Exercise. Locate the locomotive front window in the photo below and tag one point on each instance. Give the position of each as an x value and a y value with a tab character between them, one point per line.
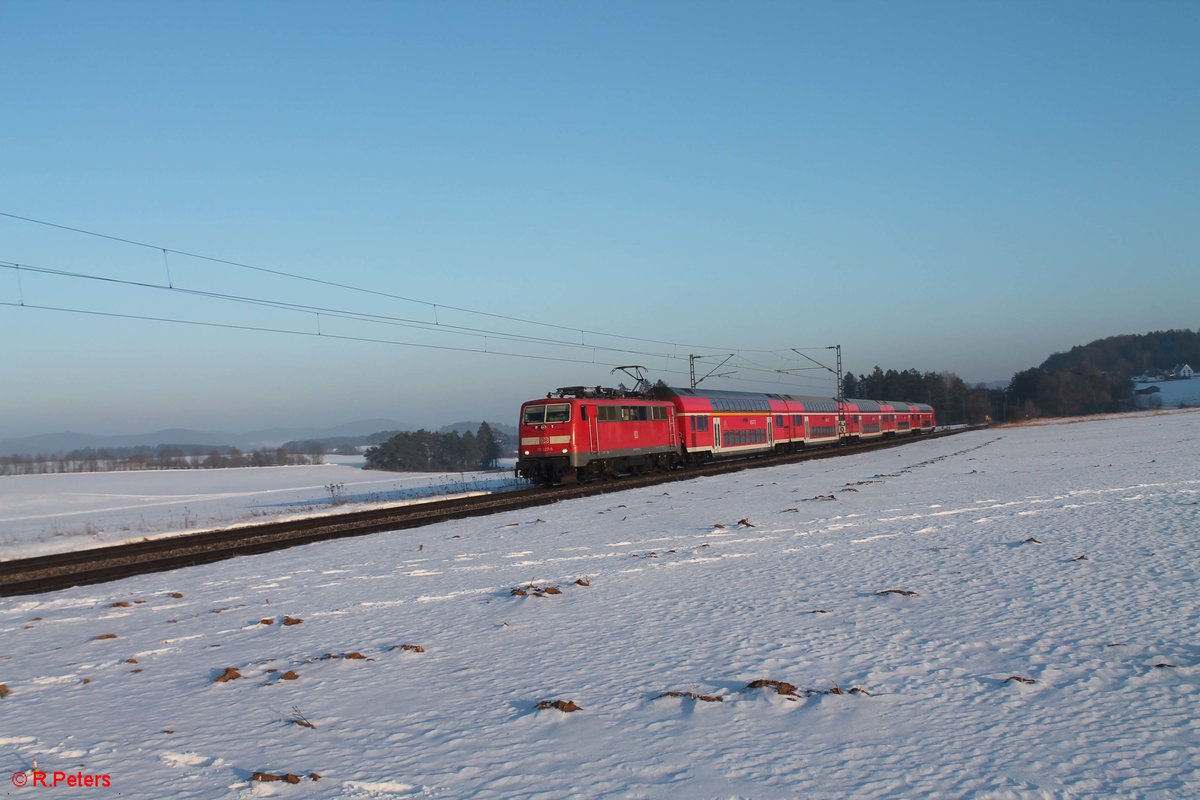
547	412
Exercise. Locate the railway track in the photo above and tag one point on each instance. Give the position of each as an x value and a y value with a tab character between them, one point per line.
97	565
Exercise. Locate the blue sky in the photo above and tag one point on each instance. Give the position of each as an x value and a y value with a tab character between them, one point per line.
947	186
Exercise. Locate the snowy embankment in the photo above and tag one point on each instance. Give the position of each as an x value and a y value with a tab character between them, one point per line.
1041	641
1170	394
42	514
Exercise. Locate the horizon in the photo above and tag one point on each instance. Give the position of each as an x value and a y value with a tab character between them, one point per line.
301	432
437	212
406	424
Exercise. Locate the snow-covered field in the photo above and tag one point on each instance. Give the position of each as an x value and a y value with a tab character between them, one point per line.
1043	641
42	514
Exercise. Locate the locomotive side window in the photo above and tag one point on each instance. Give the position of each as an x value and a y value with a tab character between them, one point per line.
701	423
735	438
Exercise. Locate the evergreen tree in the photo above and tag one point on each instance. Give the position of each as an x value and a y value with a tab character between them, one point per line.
491	448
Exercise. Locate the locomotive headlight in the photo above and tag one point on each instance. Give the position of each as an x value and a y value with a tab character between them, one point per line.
564	450
526	452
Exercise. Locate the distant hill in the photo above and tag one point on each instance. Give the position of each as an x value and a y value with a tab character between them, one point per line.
67	441
1095	377
462	427
1130	354
506	434
70	440
333	444
364	427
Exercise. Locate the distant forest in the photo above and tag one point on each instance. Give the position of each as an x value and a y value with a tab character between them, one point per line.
1088	379
1131	354
166	456
448	451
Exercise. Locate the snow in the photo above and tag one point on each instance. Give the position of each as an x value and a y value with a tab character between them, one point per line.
1171	394
41	514
1101	614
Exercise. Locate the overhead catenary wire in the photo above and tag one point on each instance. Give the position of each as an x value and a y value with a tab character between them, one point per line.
344	314
743	364
592	350
311	309
342	337
350	287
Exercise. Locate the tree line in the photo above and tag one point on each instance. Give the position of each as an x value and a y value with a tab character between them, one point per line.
952	399
425	451
1088	379
1066	393
1032	393
154	458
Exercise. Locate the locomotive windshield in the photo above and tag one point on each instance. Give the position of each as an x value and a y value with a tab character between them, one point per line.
549	412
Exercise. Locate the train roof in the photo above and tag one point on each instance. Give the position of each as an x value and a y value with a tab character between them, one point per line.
898	405
810	402
871	406
721	394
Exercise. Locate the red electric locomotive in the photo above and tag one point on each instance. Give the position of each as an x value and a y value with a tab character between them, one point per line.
579	434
